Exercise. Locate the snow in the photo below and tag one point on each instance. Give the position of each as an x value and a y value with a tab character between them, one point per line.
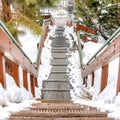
29	43
89	50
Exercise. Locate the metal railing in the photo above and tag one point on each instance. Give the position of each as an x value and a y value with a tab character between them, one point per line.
41	42
83	23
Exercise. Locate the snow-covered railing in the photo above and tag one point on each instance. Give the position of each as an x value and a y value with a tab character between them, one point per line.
101	59
12	57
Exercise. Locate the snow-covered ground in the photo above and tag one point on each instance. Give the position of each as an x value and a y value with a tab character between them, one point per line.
15	99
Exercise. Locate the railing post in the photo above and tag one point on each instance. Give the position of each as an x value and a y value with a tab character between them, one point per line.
25	80
32	85
118	82
15	73
93	75
104	77
36	82
2	71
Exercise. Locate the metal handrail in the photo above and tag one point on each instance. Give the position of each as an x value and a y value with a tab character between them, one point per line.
39	47
94	35
15	42
80	49
83	23
114	35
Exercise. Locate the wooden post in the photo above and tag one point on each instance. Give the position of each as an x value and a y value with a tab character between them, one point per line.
36	82
25	82
15	73
118	82
2	71
32	85
93	78
104	77
86	79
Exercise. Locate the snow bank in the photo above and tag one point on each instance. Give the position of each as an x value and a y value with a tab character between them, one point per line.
14	93
109	93
89	49
74	70
3	96
29	43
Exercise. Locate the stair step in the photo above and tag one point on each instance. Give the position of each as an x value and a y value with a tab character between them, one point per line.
82	113
56	94
58	72
60	29
59	110
59	68
59	64
59	55
58	76
59	118
60	45
60	48
59	51
56	84
57	80
58	38
59	60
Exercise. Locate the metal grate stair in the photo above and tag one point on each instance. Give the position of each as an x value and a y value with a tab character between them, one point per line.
59	110
57	87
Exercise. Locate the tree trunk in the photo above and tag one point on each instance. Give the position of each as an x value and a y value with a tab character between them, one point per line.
6	11
102	33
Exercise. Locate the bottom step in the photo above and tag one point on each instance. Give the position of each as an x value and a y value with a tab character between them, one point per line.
56	95
60	118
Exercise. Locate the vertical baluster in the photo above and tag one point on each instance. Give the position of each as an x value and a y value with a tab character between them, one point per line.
25	80
32	85
104	77
2	70
118	82
93	78
15	73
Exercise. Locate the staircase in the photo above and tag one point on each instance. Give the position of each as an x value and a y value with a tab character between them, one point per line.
57	86
55	103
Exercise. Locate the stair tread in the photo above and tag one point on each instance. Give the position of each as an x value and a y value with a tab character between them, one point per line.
47	89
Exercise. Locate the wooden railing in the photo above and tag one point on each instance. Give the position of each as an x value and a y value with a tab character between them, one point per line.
12	57
108	52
